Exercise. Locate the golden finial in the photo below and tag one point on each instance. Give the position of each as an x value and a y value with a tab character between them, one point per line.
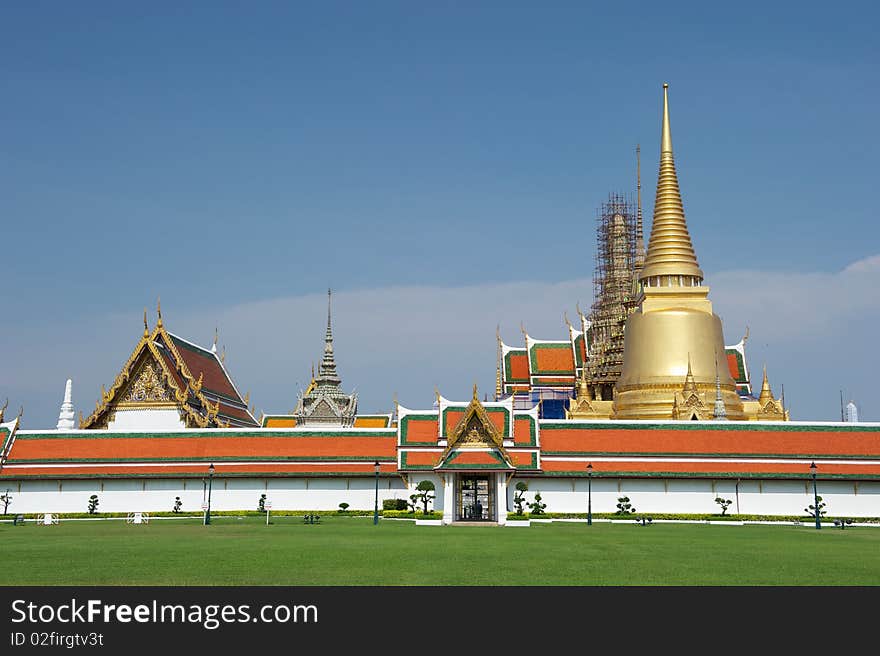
82	420
313	371
690	385
567	322
766	392
223	355
3	409
394	402
20	412
476	398
746	336
670	251
216	338
247	398
523	329
103	393
437	394
498	334
146	328
159	310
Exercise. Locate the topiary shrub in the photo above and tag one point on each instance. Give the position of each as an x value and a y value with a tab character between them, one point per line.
537	507
724	503
624	507
811	509
177	504
343	507
261	504
93	504
519	497
394	504
425	495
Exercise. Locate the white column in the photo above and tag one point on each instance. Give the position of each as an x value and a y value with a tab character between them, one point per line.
448	497
501	497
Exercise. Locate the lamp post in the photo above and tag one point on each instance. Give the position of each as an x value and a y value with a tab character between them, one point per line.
815	495
210	481
589	494
376	504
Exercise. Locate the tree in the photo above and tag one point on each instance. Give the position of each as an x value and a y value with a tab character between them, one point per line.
519	497
413	503
177	504
811	509
536	507
93	504
343	507
624	506
6	499
261	506
724	503
425	489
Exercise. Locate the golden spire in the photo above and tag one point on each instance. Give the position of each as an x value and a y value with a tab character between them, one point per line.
766	393
670	252
690	385
3	409
159	310
146	329
476	398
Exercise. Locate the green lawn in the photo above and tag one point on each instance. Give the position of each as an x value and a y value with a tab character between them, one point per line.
351	551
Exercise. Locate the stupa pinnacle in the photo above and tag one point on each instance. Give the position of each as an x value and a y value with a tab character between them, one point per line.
673	334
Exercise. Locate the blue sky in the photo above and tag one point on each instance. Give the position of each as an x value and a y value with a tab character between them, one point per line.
423	158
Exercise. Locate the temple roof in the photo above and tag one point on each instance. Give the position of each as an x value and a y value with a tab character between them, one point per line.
166	370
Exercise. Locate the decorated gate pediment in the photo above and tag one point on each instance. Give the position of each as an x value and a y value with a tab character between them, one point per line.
475	442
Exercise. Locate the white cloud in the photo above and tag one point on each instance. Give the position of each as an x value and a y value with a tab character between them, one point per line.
815	331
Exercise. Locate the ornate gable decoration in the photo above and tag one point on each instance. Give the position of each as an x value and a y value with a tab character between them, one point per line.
475	432
148	386
475	428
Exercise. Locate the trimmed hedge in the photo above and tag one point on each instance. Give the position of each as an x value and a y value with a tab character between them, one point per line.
804	519
408	514
394	504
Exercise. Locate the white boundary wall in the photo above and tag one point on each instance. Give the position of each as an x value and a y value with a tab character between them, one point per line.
768	497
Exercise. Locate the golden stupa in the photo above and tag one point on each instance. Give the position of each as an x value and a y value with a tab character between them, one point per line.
673	342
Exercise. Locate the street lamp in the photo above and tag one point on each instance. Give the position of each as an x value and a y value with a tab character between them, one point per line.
210	481
376	505
590	494
815	495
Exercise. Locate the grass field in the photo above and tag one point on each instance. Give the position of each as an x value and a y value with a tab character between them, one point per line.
351	551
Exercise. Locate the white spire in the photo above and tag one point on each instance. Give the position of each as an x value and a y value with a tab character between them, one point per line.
852	411
65	417
720	411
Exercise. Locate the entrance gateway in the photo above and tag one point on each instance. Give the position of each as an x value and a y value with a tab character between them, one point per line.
475	498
